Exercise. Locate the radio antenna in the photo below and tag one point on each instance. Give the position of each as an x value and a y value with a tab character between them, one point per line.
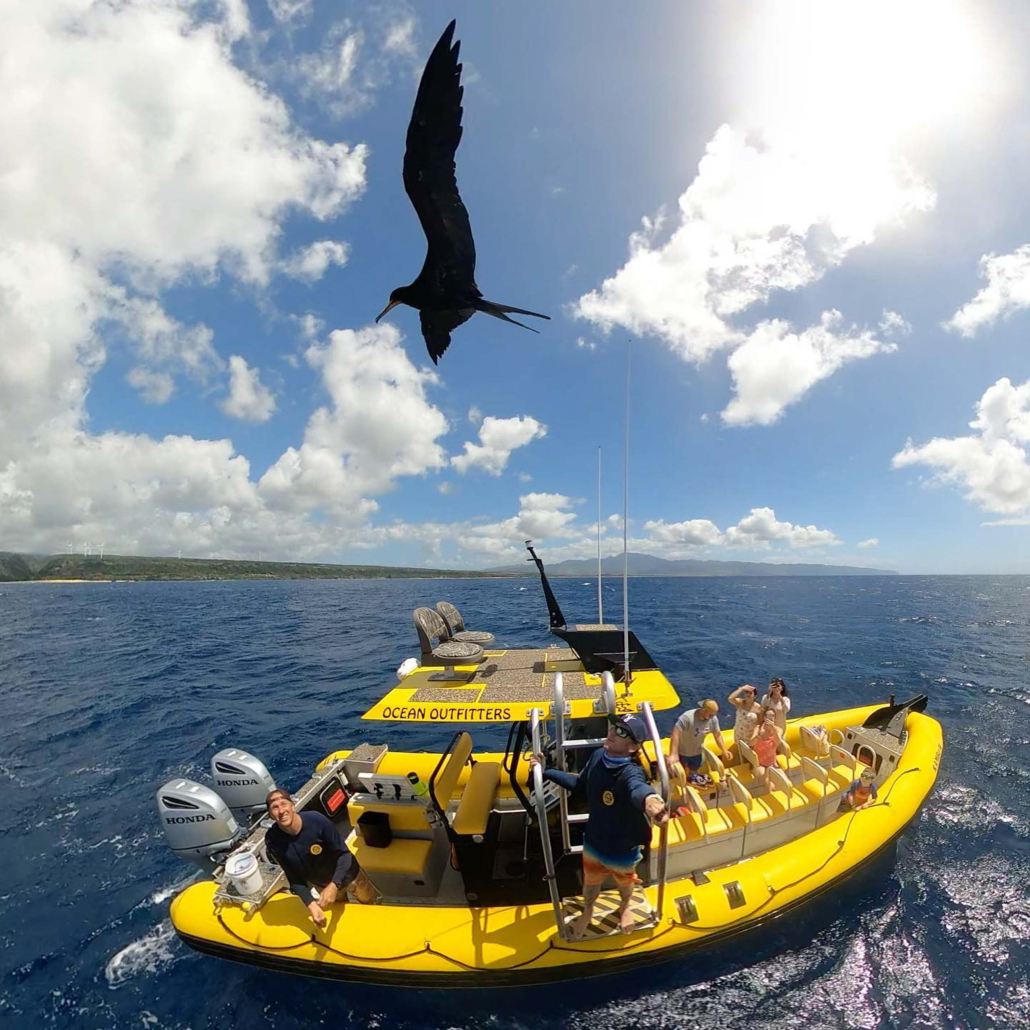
600	602
625	538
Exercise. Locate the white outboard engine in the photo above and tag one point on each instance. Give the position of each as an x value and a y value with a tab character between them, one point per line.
243	782
197	822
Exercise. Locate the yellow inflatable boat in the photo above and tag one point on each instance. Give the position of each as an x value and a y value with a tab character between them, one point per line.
480	878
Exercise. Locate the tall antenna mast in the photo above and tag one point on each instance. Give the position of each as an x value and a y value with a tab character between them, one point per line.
625	540
600	603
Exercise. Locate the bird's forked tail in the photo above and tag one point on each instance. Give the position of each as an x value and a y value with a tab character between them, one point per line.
488	307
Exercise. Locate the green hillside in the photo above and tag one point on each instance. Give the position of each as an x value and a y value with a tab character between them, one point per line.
15	567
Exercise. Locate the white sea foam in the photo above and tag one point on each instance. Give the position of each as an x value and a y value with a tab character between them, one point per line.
155	950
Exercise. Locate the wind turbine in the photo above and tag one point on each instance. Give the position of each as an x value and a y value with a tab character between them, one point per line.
102	551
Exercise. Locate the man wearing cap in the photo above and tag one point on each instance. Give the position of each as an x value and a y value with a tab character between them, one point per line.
688	735
620	805
308	848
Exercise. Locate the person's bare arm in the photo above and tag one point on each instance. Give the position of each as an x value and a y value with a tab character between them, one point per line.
737	697
721	744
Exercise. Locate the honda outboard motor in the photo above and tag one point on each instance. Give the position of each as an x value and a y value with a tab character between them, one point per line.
197	822
243	782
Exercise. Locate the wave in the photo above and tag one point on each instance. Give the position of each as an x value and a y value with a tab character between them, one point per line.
155	950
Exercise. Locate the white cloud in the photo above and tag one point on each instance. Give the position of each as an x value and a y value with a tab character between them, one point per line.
153	387
475	416
892	323
248	398
584	344
286	11
498	437
445	488
871	542
311	263
760	528
379	426
990	464
1007	290
764	213
691	533
400	37
776	367
523	477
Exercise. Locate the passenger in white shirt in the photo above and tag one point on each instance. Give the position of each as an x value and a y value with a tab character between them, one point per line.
778	700
745	700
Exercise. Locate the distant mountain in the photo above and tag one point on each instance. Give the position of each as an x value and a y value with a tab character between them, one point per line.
649	565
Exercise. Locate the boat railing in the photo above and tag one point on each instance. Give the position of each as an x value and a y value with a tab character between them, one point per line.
541	814
558	714
606	702
663	773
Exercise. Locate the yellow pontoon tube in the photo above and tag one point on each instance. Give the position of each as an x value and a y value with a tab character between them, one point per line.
732	858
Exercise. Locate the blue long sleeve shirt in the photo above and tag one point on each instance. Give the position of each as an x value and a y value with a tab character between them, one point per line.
316	856
616	822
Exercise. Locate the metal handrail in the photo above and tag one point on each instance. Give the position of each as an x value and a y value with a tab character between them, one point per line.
608	692
663	772
541	812
559	740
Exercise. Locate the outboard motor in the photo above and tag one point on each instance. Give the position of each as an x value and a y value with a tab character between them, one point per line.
243	782
197	822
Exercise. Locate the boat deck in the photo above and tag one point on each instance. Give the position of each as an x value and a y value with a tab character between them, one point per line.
506	684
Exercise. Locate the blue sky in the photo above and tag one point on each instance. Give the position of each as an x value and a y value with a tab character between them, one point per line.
807	224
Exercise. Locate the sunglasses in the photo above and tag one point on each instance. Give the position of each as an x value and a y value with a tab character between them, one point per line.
621	731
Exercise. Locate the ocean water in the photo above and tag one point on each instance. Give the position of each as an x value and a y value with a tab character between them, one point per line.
110	689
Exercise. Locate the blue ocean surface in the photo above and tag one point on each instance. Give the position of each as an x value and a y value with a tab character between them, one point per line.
110	689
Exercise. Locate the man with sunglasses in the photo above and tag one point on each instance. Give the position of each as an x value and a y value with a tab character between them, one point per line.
620	807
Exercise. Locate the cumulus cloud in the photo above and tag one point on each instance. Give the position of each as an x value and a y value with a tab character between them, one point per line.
691	533
760	528
764	213
153	387
871	542
498	437
1007	290
990	464
248	398
776	367
378	425
311	263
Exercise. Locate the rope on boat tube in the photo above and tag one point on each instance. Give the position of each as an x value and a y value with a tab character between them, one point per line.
773	891
428	949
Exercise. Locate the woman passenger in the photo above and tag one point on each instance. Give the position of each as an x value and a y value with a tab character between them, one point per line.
777	698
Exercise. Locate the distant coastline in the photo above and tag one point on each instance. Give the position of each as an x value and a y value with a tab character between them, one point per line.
77	568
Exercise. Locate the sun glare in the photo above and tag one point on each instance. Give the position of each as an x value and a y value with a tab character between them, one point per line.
875	69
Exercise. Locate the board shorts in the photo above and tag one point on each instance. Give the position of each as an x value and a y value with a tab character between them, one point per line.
621	868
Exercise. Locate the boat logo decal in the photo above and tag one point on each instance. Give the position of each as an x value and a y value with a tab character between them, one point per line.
316	849
177	819
608	797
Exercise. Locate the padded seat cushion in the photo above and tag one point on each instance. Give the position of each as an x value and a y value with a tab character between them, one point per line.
403	818
686	829
451	649
814	790
477	799
402	857
474	636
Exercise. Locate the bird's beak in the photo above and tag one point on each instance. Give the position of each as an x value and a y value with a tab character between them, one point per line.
392	304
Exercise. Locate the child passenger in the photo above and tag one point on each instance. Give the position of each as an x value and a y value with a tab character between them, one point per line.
767	738
861	794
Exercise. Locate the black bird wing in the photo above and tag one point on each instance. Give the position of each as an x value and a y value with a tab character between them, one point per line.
433	137
437	326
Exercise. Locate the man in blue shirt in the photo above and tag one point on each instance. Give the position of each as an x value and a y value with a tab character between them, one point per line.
620	805
308	848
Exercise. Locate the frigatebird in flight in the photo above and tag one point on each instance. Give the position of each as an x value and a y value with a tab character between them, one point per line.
445	291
